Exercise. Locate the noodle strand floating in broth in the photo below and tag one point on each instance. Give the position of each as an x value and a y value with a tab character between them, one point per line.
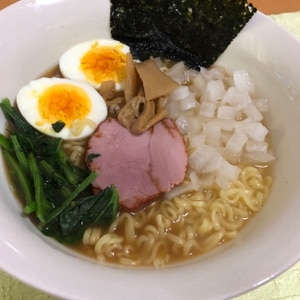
201	213
224	185
186	226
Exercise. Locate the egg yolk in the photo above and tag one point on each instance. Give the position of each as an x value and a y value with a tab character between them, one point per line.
102	63
63	102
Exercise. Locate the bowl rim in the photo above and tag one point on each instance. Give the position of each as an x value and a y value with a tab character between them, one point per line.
174	282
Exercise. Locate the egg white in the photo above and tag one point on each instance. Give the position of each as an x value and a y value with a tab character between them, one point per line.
69	62
27	102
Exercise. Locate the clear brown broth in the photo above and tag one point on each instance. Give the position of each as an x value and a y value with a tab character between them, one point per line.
88	251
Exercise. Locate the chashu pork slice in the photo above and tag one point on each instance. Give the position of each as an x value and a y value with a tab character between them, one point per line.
141	166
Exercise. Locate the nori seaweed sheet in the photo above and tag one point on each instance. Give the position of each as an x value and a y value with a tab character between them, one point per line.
196	31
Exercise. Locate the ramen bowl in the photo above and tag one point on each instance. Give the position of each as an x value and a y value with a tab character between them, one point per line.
33	35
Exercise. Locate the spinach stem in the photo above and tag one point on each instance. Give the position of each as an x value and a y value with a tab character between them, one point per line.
19	153
67	168
51	173
55	190
23	180
5	142
38	187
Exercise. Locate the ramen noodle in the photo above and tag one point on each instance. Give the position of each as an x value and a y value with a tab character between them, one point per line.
206	210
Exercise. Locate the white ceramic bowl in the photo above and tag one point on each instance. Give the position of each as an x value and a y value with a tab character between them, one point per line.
33	34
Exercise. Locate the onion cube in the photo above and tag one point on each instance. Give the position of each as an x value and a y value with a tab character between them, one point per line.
173	109
180	93
199	84
207	109
213	134
256	131
196	140
243	81
215	90
258	157
236	98
207	180
227	174
256	146
252	112
224	124
176	72
226	112
205	159
230	170
183	125
188	102
195	180
236	142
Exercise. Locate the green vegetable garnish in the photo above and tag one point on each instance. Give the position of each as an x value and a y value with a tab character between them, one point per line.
92	156
193	31
58	193
58	126
71	223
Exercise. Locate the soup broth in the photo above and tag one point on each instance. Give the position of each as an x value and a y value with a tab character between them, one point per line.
181	224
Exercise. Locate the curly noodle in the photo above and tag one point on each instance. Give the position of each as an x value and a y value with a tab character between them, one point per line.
173	229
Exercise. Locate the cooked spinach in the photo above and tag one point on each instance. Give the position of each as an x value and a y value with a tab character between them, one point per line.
92	156
194	31
71	223
58	126
30	138
56	192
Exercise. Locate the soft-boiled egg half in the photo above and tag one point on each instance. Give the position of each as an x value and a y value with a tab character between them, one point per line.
96	61
61	107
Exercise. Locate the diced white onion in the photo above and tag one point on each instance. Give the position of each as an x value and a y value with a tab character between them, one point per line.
196	140
258	157
208	179
188	102
252	112
205	159
226	112
222	181
176	72
222	123
256	131
227	174
256	146
236	142
196	122
180	93
207	109
243	81
235	97
195	180
215	90
231	171
183	124
225	136
173	108
199	84
217	72
213	134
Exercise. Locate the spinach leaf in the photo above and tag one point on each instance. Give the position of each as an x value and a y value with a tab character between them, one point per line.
56	191
69	226
58	126
30	139
92	156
